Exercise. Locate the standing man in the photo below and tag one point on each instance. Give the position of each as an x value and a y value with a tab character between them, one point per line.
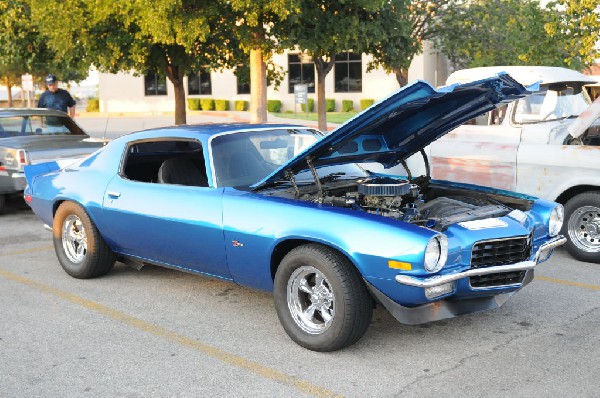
56	98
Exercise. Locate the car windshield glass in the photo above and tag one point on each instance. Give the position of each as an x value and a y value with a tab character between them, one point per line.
245	158
15	126
553	102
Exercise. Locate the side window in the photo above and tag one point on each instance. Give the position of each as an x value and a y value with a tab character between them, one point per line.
492	118
165	161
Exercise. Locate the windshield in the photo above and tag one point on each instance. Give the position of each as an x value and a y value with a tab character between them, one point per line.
245	158
556	101
16	126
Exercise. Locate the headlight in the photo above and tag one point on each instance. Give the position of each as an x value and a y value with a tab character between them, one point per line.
556	220
436	253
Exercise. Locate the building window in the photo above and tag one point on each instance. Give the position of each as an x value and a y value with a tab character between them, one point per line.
155	84
242	73
199	84
301	70
348	73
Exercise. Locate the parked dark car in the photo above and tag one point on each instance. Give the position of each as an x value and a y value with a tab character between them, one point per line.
288	210
30	136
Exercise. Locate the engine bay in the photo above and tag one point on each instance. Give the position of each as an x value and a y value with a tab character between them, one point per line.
417	201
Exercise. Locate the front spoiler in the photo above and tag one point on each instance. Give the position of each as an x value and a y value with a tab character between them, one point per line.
448	308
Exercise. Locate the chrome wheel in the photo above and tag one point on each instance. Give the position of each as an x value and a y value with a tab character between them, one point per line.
310	300
74	239
584	228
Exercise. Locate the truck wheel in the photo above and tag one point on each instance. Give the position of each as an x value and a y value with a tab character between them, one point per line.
321	299
582	226
2	203
80	249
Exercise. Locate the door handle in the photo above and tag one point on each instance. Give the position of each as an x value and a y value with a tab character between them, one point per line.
113	194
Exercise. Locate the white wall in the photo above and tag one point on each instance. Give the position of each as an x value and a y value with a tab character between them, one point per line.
124	92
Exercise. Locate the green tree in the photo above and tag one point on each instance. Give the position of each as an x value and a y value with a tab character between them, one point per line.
576	25
26	50
406	24
324	29
168	37
255	27
499	32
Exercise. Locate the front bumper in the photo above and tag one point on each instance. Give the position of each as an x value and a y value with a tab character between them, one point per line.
449	308
432	281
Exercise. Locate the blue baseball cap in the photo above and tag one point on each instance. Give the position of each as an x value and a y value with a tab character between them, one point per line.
51	79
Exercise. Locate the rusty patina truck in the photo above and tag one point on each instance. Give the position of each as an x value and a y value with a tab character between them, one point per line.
545	145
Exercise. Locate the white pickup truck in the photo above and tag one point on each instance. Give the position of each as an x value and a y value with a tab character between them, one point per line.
545	145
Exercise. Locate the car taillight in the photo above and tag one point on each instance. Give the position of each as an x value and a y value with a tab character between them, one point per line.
22	157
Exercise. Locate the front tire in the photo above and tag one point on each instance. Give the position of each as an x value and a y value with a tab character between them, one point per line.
80	249
582	226
321	299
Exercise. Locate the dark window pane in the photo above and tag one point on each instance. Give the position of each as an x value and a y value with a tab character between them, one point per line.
193	85
200	83
301	70
155	84
242	72
348	73
354	76
294	76
308	76
205	83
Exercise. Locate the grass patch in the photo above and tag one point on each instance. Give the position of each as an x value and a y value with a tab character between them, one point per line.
332	117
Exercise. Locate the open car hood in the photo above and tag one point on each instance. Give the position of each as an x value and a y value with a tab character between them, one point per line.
395	128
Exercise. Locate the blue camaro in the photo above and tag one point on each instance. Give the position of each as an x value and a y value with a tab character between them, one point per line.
286	209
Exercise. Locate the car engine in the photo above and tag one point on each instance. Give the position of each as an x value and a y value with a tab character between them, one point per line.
417	201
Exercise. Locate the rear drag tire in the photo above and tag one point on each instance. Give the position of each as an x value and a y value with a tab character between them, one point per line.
80	249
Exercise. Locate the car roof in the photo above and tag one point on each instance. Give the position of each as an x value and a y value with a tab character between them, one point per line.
206	130
11	112
525	75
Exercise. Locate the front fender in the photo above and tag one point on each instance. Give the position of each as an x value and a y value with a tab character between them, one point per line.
254	225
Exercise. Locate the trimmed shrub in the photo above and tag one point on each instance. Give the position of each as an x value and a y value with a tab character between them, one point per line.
221	105
311	105
274	106
93	105
347	105
329	105
207	104
240	105
193	104
365	103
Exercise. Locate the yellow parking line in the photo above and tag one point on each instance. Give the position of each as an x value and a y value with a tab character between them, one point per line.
26	251
224	356
568	283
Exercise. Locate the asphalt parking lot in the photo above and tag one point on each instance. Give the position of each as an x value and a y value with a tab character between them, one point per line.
159	332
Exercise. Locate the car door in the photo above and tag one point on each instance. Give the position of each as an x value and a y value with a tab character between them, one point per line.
176	225
482	153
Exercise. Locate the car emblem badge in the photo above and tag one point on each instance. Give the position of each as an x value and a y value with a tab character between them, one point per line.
237	243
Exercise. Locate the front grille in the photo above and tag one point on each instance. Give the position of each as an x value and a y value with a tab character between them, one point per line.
501	251
499	279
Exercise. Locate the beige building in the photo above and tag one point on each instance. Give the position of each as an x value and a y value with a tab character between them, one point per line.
348	80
